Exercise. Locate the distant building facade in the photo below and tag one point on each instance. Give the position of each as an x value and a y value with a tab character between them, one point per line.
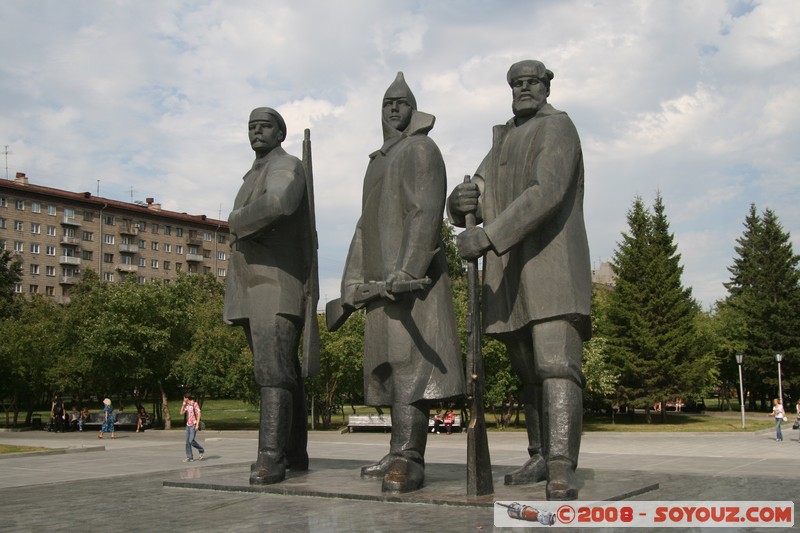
59	234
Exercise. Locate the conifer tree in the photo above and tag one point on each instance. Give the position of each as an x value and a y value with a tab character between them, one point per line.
764	295
651	318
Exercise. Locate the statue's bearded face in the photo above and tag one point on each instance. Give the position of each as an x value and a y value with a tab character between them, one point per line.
397	112
530	94
265	135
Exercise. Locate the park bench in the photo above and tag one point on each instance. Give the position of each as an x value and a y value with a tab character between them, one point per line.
384	422
121	421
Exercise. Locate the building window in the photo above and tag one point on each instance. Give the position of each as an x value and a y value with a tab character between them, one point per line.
154	263
51	210
88	216
2	223
127	260
50	270
2	245
154	228
19	246
154	246
193	250
69	212
140	279
179	249
108	276
207	253
50	290
221	256
86	254
207	236
179	232
167	247
18	225
20	205
108	239
167	265
35	248
142	243
221	272
108	258
88	236
142	262
178	267
18	288
36	207
33	289
69	232
109	220
51	231
221	238
50	250
35	270
36	228
3	201
167	230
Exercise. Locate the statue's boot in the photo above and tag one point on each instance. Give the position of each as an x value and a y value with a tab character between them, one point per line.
563	411
276	419
378	470
406	472
535	469
297	447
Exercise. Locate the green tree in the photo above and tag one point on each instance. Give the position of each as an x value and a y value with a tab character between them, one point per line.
10	273
341	376
764	301
651	318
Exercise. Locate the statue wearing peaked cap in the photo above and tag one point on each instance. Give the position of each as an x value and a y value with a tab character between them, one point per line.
411	347
264	294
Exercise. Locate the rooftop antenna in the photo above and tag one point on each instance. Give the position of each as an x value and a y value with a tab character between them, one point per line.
98	188
6	152
131	190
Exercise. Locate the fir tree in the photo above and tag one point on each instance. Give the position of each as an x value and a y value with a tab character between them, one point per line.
10	273
764	295
651	318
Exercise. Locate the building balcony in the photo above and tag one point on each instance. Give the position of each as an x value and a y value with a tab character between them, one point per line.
70	221
125	267
69	280
194	241
129	229
69	260
129	248
70	241
197	258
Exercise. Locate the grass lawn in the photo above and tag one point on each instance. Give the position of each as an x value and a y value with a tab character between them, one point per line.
9	448
220	415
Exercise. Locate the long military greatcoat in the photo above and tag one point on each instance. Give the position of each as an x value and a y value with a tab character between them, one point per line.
532	208
411	346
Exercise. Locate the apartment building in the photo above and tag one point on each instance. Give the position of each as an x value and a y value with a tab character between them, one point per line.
59	234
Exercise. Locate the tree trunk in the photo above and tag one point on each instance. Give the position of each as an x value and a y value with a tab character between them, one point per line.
165	407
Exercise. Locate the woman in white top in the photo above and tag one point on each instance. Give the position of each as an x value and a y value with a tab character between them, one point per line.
779	414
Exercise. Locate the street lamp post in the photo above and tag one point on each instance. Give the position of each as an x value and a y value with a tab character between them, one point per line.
779	358
739	360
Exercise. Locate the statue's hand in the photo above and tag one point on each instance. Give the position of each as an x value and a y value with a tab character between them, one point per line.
464	199
391	279
472	243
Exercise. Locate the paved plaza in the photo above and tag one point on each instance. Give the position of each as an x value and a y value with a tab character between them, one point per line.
119	485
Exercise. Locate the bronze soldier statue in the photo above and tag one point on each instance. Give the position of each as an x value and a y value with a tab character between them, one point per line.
270	265
528	191
396	269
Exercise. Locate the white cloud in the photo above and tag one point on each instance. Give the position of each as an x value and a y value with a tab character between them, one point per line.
697	100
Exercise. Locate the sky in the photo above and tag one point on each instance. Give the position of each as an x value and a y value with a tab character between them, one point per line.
697	101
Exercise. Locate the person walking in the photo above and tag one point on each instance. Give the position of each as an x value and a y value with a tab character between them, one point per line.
780	416
192	411
797	418
57	414
108	420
